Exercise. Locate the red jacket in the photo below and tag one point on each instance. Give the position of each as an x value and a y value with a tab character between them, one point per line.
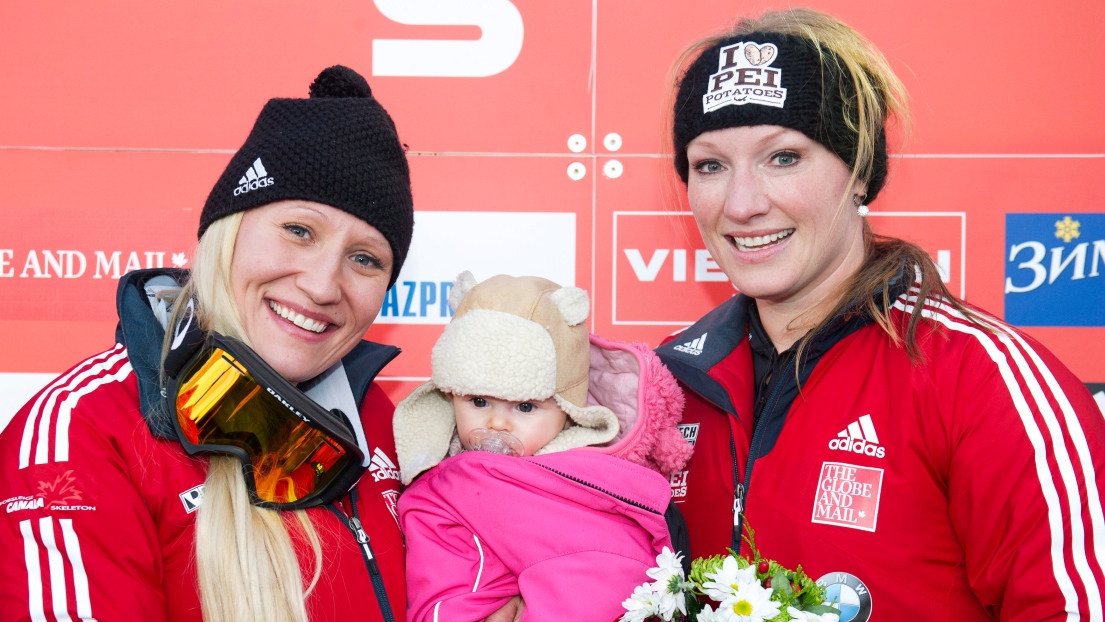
964	487
99	512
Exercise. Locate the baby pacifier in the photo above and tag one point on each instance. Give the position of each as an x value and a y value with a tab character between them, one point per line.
496	442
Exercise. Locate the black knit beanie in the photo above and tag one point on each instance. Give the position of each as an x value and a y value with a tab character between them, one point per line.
765	78
339	148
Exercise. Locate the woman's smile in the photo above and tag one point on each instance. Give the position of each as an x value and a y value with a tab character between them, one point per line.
309	280
749	243
299	319
772	206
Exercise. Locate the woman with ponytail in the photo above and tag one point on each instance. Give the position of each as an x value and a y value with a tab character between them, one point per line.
231	458
923	458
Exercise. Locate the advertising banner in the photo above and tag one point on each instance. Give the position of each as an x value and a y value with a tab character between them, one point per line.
538	140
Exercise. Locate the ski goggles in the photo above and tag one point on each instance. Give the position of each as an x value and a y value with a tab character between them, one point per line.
226	399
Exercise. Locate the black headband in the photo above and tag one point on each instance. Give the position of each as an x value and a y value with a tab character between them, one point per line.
766	78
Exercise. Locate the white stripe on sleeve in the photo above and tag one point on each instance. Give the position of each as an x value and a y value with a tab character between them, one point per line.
65	410
36	409
34	572
57	569
80	577
42	448
1043	472
1059	446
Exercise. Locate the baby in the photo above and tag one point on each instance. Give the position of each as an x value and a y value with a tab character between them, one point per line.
548	454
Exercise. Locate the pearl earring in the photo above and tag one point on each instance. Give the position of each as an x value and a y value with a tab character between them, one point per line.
861	209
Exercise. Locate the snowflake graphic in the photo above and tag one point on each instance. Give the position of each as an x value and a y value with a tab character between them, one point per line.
1067	229
862	514
179	260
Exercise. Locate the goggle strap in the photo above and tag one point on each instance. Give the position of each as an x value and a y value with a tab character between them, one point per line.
187	339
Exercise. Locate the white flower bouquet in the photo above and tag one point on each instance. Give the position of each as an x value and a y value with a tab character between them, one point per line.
743	590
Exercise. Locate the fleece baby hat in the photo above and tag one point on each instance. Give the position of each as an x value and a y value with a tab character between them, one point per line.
512	338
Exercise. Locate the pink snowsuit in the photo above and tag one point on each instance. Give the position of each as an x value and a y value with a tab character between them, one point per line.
572	532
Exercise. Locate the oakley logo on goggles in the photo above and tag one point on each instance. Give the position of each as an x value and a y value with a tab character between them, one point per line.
295	453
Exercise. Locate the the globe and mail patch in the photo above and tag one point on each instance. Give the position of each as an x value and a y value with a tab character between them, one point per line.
848	496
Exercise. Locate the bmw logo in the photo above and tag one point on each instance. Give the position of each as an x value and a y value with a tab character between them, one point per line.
848	594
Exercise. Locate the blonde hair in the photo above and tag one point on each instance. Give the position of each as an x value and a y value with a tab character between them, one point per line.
248	568
873	97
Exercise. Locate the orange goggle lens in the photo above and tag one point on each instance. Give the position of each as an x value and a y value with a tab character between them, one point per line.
220	405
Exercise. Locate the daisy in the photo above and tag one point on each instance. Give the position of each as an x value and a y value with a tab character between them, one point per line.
805	616
750	602
709	615
668	565
641	605
724	582
668	576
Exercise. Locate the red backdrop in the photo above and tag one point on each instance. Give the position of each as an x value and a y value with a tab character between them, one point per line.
119	116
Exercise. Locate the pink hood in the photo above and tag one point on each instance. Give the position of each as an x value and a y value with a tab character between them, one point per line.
630	380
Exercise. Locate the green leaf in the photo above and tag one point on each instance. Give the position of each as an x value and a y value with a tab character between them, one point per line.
749	537
780	586
694	606
819	609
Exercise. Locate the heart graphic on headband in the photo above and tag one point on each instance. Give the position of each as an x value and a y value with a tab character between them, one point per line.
761	55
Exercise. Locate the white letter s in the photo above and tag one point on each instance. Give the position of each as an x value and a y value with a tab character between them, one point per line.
495	51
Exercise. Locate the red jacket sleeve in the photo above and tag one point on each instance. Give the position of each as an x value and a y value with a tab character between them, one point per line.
1025	479
81	539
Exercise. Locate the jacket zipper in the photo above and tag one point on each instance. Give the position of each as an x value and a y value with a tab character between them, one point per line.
636	504
354	525
741	489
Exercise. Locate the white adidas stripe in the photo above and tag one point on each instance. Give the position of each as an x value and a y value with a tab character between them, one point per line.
49	394
80	577
72	392
862	428
954	320
57	569
34	572
57	562
381	461
254	172
868	428
1062	457
65	411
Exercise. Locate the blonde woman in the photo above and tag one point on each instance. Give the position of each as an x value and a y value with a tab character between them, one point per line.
923	459
233	482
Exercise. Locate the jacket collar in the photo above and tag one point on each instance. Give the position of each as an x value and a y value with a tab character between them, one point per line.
141	330
704	345
699	350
